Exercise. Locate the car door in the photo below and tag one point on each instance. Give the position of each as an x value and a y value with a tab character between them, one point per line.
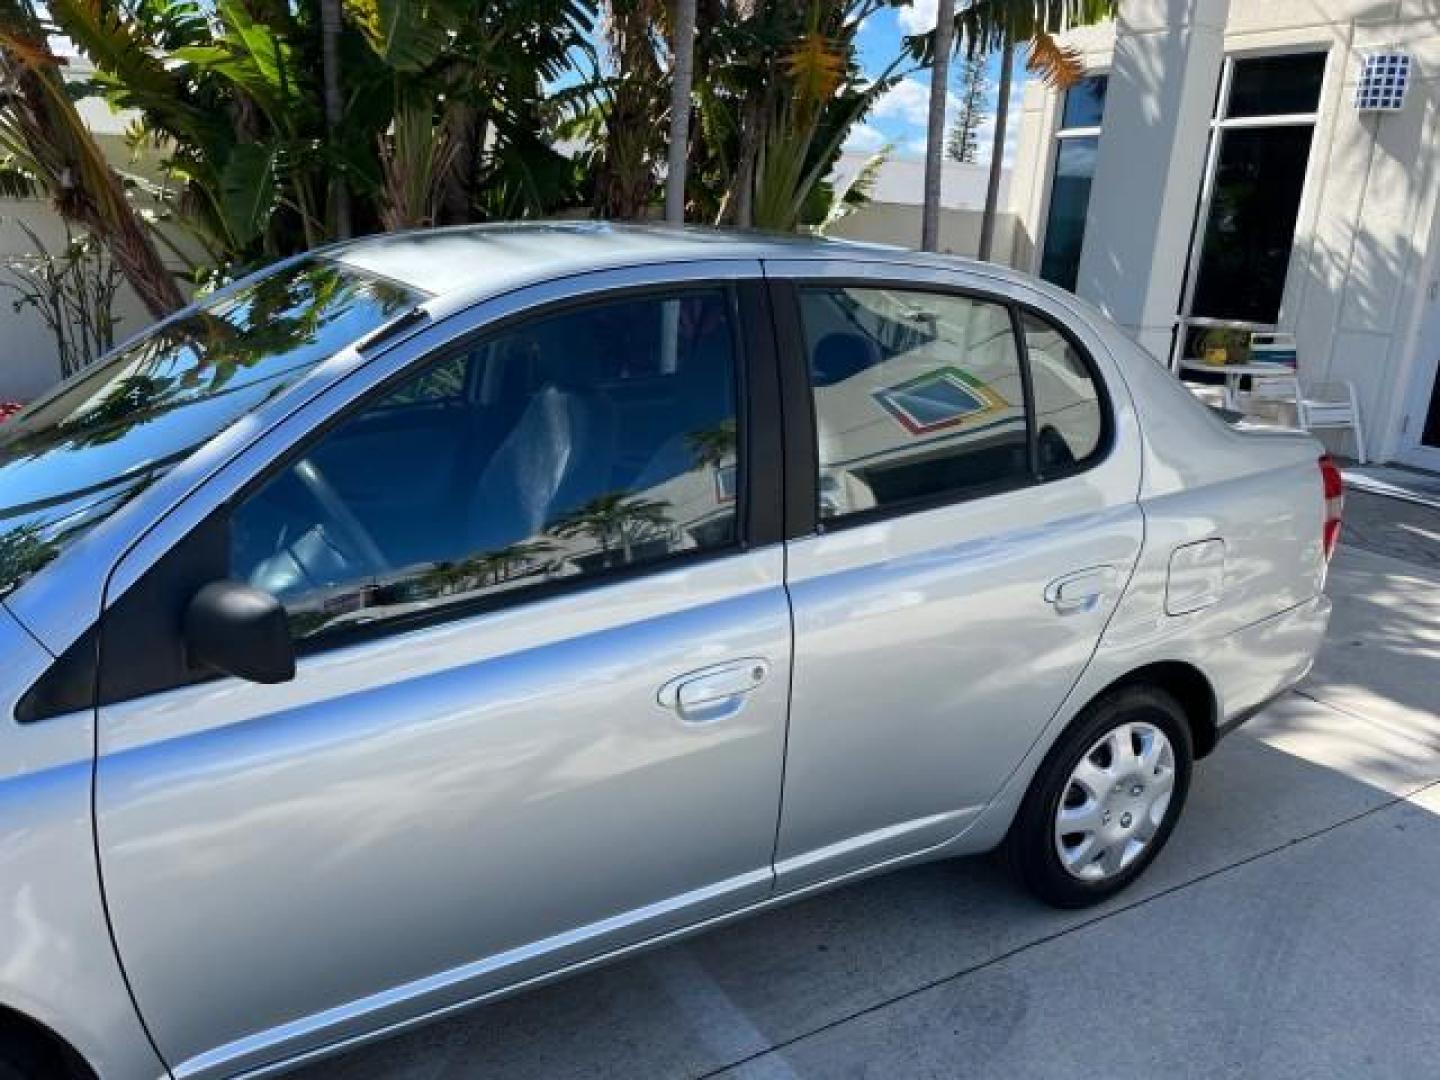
537	720
964	521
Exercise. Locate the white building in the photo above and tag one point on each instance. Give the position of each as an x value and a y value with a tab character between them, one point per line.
1223	168
892	214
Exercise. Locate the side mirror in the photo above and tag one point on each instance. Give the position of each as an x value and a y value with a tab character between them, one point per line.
241	631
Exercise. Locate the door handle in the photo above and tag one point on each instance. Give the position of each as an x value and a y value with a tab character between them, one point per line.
1081	591
713	693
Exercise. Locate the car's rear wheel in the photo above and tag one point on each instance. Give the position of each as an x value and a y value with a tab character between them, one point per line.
1105	800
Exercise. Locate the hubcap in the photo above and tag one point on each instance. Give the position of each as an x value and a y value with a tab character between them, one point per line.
1115	801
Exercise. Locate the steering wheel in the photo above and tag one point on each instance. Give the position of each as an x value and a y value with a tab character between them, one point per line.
353	536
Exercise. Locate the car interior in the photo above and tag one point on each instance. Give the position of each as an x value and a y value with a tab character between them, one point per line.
488	447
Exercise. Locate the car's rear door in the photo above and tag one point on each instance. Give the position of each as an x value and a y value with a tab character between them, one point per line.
552	726
963	519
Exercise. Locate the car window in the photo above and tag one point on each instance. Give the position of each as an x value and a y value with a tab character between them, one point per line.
600	437
1068	417
917	395
76	457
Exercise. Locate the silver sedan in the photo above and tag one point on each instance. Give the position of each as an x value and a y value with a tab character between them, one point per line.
440	613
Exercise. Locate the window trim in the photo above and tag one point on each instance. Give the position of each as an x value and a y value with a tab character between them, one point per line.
803	519
754	504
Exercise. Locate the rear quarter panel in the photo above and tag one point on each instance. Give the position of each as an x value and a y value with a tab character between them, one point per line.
1258	491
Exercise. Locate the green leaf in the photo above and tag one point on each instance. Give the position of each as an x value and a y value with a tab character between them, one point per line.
408	36
249	186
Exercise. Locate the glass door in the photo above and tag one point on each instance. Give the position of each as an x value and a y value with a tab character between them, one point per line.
1250	202
1420	438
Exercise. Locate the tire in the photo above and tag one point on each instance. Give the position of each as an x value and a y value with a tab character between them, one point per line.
26	1055
23	1061
1120	806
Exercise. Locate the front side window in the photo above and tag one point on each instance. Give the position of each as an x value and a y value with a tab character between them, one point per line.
1077	148
576	443
75	458
918	396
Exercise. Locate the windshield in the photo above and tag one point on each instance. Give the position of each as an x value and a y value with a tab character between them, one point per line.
77	457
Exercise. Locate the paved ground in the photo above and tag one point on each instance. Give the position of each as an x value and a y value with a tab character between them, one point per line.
1291	929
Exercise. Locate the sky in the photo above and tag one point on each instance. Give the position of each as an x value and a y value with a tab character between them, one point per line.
899	118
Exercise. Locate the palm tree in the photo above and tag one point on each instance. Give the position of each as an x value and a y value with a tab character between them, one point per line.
712	446
334	111
935	131
682	74
997	153
626	174
614	519
987	26
40	127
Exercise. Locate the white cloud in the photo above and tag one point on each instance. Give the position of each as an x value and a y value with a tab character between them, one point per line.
919	18
908	102
864	139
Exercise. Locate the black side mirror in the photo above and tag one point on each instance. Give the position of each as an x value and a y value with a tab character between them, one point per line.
241	631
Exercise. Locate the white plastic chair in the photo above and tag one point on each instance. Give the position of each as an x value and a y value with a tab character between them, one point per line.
1332	405
1317	406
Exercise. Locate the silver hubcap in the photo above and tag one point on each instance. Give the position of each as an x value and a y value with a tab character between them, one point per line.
1115	801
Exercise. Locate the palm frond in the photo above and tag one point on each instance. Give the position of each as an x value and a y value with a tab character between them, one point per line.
1058	65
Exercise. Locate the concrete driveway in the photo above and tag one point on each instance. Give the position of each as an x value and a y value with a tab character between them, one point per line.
1291	928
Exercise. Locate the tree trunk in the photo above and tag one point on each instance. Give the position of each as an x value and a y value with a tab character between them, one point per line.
935	133
129	244
682	73
462	122
997	152
334	112
752	134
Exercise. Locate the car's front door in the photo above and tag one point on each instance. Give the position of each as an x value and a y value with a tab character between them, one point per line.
539	716
973	525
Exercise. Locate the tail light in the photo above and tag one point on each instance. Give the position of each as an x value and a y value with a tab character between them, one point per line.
1334	488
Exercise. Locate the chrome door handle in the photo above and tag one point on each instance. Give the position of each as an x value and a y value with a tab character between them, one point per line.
1082	590
713	693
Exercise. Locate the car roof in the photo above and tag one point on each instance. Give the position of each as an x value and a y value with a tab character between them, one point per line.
480	258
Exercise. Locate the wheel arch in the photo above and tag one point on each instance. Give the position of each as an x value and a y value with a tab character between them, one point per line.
52	1051
1188	685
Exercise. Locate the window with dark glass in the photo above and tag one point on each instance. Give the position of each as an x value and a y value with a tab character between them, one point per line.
1076	150
574	444
1085	103
1245	254
1069	422
1263	132
917	396
1276	85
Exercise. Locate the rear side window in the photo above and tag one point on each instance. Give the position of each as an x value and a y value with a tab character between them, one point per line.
918	396
1069	421
570	445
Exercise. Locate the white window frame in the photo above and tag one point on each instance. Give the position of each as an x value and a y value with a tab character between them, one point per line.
1220	122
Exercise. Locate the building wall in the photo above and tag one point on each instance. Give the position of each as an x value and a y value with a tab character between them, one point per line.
899	224
1364	265
29	360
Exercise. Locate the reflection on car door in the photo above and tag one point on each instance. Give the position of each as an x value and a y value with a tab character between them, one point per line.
931	645
491	762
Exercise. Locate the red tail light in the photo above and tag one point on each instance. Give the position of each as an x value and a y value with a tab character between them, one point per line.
1334	488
